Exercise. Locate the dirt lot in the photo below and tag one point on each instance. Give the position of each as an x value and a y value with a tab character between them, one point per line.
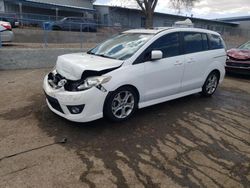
189	142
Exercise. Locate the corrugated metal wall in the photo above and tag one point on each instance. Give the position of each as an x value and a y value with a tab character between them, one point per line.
77	3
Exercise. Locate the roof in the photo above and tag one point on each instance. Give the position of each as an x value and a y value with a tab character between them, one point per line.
160	29
148	31
235	19
42	4
170	15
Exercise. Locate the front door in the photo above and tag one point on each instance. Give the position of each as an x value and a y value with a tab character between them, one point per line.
163	77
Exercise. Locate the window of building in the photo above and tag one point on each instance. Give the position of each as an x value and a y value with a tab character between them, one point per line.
105	19
143	22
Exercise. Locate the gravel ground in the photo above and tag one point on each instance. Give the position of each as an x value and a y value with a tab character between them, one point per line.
188	142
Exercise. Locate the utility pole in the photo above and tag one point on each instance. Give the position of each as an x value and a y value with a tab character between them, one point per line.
21	14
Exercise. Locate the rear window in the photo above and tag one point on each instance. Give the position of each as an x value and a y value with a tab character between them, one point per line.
193	42
215	42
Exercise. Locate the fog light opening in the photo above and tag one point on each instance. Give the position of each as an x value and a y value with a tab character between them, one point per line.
75	109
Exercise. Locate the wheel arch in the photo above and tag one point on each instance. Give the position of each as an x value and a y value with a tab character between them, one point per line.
217	72
131	86
106	111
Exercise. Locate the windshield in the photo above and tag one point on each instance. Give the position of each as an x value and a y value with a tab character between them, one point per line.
122	46
64	19
245	46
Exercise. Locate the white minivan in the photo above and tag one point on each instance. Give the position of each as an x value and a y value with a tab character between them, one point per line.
135	69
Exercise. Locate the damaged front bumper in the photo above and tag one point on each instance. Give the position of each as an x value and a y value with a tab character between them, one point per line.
90	102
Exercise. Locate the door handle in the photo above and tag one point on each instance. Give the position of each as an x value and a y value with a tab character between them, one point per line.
178	63
191	60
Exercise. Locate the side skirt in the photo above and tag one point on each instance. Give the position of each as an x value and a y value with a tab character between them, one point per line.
168	98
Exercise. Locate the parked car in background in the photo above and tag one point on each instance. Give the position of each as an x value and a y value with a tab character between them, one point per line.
74	24
135	69
238	59
6	32
11	18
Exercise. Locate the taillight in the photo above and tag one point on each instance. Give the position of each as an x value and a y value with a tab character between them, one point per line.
6	25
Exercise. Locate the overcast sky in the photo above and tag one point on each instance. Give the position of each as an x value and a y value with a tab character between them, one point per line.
209	9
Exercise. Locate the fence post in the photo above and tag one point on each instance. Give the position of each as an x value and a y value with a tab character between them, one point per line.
45	38
81	35
46	28
0	40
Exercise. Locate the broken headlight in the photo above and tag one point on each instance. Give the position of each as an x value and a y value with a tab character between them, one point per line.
55	80
96	81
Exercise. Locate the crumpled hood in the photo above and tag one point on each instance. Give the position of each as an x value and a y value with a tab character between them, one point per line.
239	54
71	66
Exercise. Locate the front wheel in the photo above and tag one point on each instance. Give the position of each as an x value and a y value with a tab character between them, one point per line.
120	104
210	84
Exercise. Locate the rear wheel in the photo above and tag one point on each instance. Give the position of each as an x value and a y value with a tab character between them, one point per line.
210	84
120	104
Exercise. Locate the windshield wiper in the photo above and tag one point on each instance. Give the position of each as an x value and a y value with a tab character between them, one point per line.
89	52
102	55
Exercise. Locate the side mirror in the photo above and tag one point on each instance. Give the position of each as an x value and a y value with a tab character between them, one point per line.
156	54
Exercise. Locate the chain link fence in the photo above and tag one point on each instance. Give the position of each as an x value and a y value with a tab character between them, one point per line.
36	31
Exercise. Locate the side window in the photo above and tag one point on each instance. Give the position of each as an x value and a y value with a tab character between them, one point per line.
168	44
77	20
205	42
68	20
215	42
193	42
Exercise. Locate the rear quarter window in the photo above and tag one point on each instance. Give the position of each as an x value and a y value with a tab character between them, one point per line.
215	42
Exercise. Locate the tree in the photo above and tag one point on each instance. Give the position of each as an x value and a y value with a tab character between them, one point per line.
148	8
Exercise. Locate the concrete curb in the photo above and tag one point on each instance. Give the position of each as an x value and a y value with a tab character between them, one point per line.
24	58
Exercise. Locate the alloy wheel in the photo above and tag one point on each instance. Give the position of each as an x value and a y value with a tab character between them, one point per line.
123	104
211	85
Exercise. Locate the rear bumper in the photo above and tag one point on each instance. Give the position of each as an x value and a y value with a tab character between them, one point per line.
7	36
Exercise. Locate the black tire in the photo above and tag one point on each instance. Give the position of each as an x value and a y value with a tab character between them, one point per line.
56	28
93	30
111	103
210	84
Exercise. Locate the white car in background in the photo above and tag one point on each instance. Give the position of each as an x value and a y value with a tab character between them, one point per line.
6	33
135	69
